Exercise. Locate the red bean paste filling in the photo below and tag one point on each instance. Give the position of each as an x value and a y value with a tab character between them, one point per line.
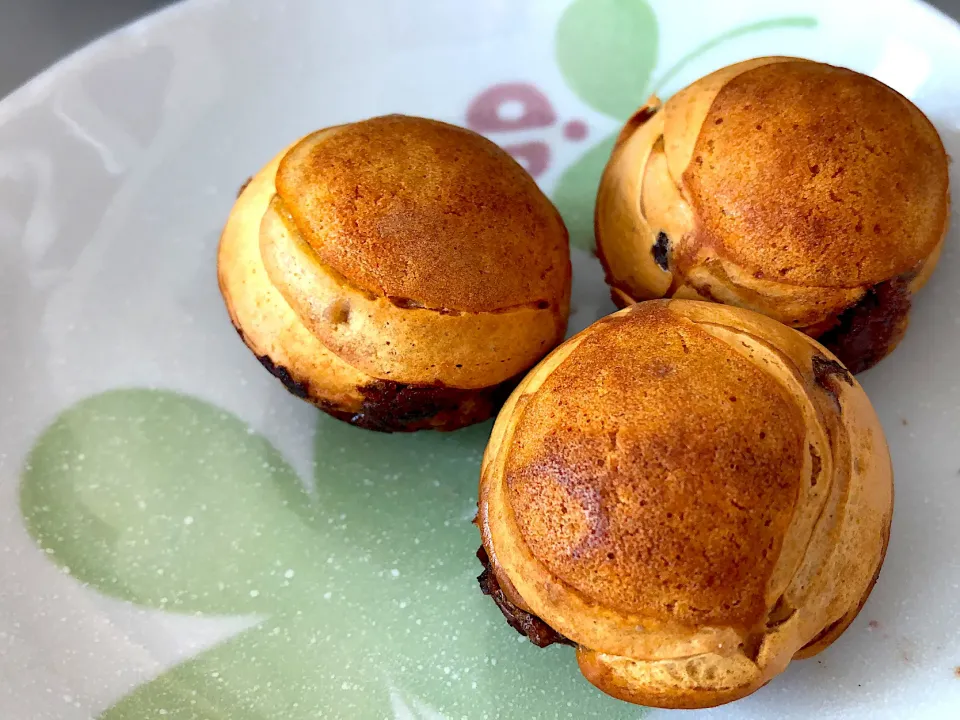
867	331
536	630
824	372
389	406
300	389
397	407
660	251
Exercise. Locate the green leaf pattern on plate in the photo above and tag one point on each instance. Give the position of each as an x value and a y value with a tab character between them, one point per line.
606	50
364	576
131	490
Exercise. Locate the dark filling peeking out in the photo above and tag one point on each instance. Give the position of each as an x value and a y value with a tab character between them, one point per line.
389	406
399	407
536	630
868	331
827	372
660	251
300	389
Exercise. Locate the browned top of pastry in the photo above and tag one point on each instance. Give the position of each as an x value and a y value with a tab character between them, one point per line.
426	213
656	471
810	174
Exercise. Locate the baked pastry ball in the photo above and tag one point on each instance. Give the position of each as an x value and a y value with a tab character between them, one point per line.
399	273
692	495
810	193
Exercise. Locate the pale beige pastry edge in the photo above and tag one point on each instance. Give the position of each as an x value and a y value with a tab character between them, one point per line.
265	320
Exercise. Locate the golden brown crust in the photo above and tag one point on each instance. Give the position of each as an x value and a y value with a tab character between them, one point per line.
780	185
364	357
590	457
844	198
610	513
400	343
426	212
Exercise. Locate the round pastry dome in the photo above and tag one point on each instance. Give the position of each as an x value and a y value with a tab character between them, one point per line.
400	273
692	494
785	186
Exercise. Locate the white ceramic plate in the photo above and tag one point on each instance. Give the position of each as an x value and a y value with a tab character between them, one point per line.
181	538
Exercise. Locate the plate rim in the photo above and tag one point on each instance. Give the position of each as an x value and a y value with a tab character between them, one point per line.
32	91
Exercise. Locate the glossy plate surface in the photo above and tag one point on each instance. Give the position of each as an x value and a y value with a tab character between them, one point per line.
181	538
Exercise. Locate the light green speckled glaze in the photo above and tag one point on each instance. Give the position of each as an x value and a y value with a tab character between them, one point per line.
363	576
